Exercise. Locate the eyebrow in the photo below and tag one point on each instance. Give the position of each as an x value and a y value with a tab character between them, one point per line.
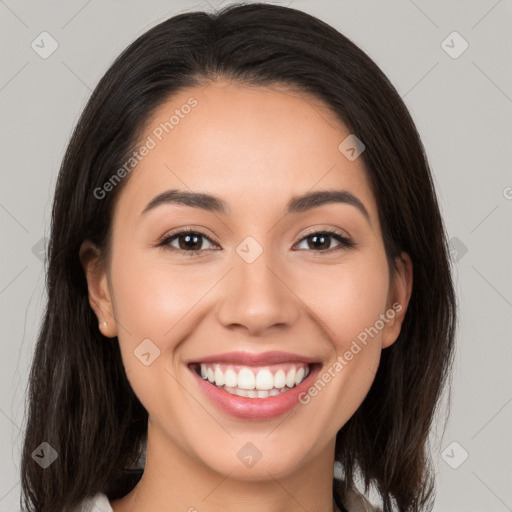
215	204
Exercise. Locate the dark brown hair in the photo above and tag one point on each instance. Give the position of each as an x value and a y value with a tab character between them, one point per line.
80	400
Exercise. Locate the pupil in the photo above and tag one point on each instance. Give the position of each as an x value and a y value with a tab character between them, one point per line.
323	237
318	241
195	246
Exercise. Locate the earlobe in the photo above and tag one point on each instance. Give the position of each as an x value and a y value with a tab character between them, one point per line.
97	283
398	299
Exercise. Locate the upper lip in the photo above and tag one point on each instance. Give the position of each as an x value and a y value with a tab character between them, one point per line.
248	358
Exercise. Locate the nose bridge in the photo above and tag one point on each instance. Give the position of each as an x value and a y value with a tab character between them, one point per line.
256	296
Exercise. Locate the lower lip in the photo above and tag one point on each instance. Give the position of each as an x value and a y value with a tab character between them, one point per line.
256	408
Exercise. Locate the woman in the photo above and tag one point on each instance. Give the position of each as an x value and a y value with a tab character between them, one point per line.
231	304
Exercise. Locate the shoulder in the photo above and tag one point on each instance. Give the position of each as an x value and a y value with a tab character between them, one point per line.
98	503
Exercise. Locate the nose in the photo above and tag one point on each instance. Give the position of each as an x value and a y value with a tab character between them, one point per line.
258	296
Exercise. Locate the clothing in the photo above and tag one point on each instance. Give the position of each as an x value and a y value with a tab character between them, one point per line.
98	503
354	502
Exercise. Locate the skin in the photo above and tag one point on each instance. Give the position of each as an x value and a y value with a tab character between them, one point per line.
255	148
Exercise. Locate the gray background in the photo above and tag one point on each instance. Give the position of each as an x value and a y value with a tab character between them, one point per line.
462	107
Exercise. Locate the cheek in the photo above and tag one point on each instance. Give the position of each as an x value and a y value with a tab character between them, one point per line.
348	297
152	296
348	302
153	301
149	302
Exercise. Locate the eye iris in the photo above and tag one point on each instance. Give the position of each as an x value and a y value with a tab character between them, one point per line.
191	241
323	237
195	246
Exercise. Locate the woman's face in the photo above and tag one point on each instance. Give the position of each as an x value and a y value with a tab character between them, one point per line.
260	280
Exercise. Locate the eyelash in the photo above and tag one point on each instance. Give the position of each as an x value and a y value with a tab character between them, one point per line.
345	243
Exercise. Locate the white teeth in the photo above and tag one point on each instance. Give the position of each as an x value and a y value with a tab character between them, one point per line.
253	393
230	378
279	379
299	376
264	380
246	379
219	377
261	384
290	378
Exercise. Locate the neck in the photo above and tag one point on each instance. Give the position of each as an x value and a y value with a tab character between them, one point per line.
173	480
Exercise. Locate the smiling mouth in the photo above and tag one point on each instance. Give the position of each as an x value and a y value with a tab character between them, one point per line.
253	382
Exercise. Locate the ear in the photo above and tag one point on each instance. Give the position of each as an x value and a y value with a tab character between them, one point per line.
398	299
99	292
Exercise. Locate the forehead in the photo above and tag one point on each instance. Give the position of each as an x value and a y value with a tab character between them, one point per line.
252	146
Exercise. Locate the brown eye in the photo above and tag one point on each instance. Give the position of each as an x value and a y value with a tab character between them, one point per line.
320	241
189	241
